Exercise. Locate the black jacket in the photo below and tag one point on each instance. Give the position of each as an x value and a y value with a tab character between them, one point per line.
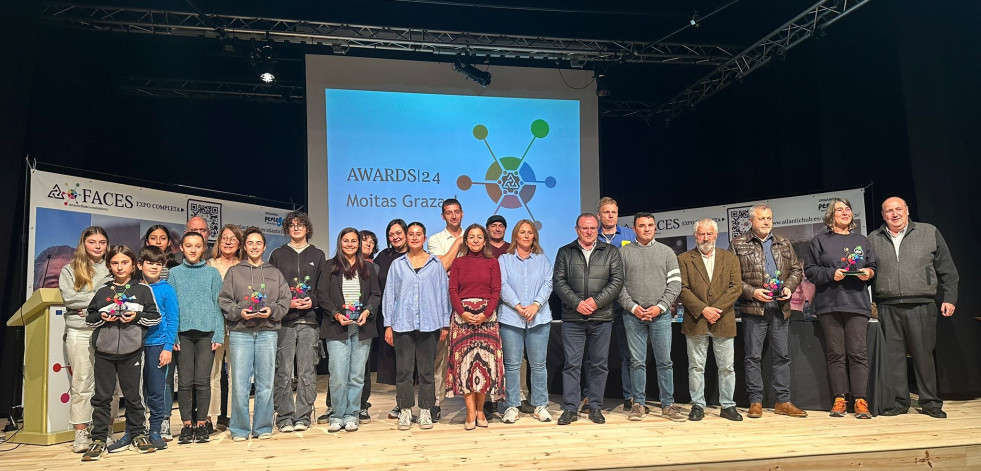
296	267
331	299
118	337
574	281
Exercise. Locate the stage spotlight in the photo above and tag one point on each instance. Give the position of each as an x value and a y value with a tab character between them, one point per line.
601	88
463	66
263	58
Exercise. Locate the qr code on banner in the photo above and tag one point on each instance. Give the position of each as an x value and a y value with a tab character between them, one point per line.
210	211
739	221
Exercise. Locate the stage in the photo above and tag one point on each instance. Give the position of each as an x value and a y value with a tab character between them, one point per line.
816	442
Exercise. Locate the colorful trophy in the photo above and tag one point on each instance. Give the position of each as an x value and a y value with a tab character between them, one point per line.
774	284
851	259
300	288
255	299
352	311
119	303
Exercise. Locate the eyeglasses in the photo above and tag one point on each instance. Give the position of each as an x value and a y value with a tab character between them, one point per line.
297	226
229	239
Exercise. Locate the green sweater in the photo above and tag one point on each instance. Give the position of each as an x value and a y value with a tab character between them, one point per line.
197	288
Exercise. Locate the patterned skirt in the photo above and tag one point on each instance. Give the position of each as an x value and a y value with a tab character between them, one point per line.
476	361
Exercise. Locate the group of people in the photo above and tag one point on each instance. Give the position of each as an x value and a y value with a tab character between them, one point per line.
464	312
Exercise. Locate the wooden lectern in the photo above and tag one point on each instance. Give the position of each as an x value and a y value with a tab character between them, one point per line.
47	374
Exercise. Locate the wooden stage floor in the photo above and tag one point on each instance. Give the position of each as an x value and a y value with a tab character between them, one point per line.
908	441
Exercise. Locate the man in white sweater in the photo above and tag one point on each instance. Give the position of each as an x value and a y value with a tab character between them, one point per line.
652	281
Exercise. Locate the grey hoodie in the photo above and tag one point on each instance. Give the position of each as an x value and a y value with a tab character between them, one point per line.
232	299
77	302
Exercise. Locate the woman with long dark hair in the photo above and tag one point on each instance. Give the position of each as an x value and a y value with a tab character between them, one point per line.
228	252
396	247
349	296
841	265
417	314
476	365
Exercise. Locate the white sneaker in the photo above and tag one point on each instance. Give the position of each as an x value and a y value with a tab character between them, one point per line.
335	425
165	430
405	419
542	414
299	427
425	419
351	426
510	415
82	441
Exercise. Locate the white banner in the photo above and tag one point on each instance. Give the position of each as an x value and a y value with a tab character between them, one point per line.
62	206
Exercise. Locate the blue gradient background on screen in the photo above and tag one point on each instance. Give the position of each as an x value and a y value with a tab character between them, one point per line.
434	133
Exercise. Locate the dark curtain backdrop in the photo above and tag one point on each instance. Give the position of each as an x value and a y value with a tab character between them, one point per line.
888	96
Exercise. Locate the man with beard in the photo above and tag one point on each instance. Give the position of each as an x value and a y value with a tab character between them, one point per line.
710	285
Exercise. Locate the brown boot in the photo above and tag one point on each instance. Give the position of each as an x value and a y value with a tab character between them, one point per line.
755	410
788	408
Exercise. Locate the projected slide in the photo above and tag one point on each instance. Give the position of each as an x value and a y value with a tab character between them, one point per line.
393	154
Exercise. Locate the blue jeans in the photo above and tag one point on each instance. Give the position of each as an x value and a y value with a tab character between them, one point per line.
658	332
154	378
346	361
576	338
254	355
771	325
697	353
515	341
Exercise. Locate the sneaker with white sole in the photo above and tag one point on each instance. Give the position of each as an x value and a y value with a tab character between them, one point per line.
405	419
335	425
95	451
425	419
165	430
394	413
82	441
351	426
286	428
542	414
142	444
120	445
510	415
264	436
300	427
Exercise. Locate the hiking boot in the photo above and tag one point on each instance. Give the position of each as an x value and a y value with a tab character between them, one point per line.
673	413
839	408
862	409
636	413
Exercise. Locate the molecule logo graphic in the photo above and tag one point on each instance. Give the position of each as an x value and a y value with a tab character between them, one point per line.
510	181
57	367
72	193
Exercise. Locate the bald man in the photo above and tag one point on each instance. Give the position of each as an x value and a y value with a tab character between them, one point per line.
915	273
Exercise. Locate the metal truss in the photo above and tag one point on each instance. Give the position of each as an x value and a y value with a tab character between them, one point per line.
156	87
777	43
342	37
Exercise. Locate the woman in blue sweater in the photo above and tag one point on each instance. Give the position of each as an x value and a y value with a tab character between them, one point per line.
841	266
200	331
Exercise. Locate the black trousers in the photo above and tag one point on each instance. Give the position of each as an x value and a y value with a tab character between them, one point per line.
415	351
128	369
194	375
911	327
845	337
